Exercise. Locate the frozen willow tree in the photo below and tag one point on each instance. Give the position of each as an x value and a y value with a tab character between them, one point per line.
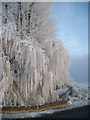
34	66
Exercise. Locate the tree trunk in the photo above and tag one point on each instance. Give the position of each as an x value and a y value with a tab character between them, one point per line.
6	6
29	15
20	13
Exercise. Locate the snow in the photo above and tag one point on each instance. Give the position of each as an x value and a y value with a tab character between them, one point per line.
74	102
37	114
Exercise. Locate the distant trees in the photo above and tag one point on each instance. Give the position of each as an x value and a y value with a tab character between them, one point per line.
32	18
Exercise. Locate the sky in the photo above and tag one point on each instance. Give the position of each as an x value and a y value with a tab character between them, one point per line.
72	29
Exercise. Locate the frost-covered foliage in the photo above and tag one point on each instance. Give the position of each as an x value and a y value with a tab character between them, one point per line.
30	75
31	18
33	66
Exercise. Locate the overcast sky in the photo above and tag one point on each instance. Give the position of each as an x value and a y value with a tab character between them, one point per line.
72	30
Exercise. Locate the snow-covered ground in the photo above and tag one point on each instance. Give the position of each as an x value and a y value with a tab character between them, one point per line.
37	114
78	98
